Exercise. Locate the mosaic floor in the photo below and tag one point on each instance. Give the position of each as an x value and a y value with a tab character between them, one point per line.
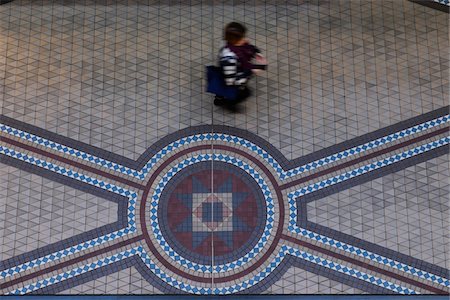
119	175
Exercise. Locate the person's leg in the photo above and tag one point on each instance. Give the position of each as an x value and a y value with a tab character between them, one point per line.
243	93
219	100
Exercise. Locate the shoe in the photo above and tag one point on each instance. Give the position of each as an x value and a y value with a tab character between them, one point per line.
244	93
219	101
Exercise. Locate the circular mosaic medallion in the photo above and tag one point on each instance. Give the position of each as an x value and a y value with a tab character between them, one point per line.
214	215
212	219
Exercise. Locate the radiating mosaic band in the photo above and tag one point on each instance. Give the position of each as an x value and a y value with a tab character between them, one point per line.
131	225
214	137
293	211
284	250
75	272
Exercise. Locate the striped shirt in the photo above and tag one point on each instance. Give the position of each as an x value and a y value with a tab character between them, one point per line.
232	71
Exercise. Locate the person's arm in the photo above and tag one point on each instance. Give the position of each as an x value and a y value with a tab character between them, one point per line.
260	61
256	50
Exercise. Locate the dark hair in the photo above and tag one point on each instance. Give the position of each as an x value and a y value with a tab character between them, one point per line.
234	32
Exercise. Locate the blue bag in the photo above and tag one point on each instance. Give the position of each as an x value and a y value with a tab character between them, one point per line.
216	84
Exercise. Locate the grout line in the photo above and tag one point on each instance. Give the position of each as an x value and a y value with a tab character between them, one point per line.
212	151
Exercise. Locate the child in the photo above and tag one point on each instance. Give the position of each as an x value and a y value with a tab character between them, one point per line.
235	60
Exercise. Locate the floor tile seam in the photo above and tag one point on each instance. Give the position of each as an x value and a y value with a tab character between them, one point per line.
173	153
362	154
270	188
67	263
250	152
160	265
178	282
202	287
347	255
67	270
235	287
217	285
166	171
156	252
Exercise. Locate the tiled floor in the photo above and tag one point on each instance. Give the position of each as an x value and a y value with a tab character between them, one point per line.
119	175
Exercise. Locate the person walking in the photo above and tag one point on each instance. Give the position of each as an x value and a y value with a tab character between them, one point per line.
236	62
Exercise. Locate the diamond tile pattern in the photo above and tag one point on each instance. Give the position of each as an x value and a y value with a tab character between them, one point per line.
296	279
406	211
36	212
127	281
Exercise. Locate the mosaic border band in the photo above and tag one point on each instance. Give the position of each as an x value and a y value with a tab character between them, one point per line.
215	137
285	250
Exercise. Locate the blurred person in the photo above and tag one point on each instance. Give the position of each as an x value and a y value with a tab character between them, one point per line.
238	60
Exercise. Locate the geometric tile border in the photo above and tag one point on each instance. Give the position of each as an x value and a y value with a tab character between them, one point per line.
157	149
293	196
297	182
285	250
216	137
131	227
74	240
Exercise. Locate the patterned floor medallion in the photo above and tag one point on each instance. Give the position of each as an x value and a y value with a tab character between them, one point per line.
212	213
214	216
